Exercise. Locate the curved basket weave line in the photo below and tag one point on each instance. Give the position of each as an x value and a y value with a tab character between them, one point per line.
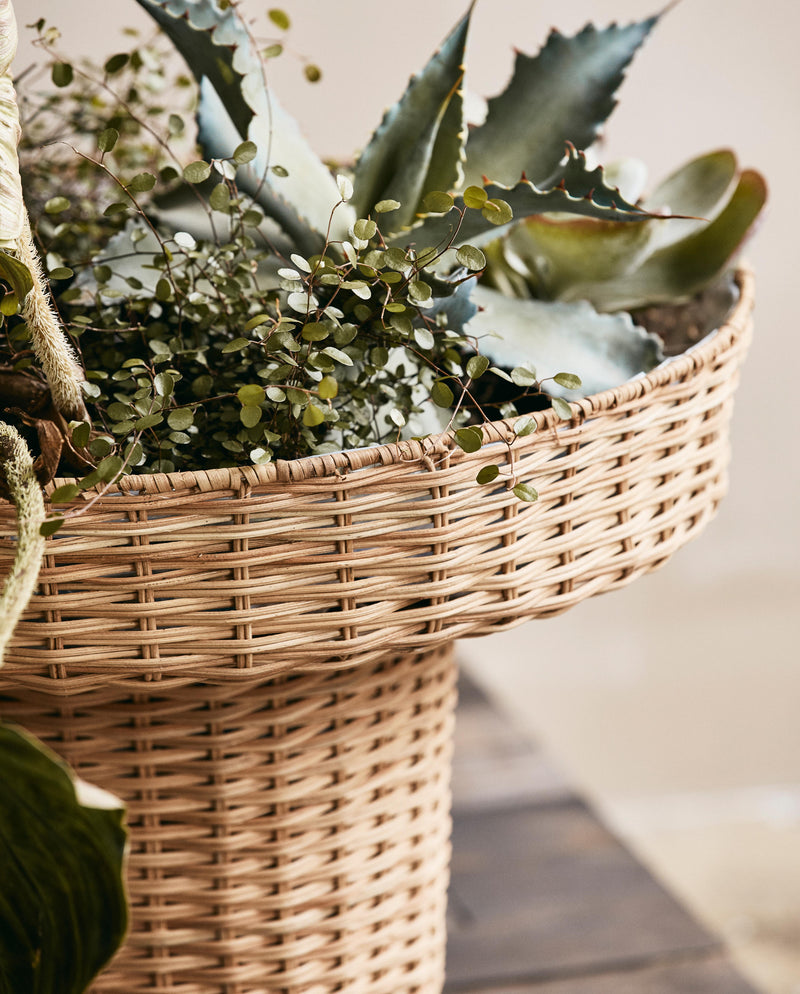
287	836
334	560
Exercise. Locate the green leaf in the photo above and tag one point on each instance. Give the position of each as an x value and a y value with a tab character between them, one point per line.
251	394
81	433
364	229
384	206
148	421
197	172
469	439
116	63
418	145
47	528
180	419
220	198
424	338
523	377
279	18
471	258
477	366
437	202
62	74
441	394
568	380
64	494
474	196
141	183
62	904
250	415
236	345
562	408
107	139
524	426
244	152
164	384
328	388
61	273
487	474
524	491
16	274
564	93
55	205
313	416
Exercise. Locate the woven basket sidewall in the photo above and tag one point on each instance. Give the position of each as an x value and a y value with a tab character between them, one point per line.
286	836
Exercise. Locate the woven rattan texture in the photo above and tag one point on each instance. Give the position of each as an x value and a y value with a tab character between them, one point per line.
287	837
330	561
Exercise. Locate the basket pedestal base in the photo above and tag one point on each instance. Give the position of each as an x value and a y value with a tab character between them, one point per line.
286	836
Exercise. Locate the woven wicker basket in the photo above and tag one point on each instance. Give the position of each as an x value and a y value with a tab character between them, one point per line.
258	661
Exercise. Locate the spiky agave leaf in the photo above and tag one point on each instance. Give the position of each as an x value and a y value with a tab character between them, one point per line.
562	256
580	191
604	350
237	105
564	93
419	144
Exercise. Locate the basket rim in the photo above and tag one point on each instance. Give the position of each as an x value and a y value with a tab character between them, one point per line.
425	452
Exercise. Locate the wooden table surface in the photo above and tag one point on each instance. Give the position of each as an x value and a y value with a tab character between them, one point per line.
543	898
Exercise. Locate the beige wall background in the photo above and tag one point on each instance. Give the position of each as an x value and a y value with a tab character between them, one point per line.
673	703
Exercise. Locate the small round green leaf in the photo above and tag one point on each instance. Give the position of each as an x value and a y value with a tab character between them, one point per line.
364	229
523	491
523	377
107	139
279	18
313	416
55	205
475	197
568	380
312	72
469	439
424	338
252	393
236	345
384	206
477	366
471	258
524	426
328	388
197	172
141	183
244	153
50	527
62	73
116	62
437	202
488	474
497	212
220	198
562	408
250	415
61	495
180	419
441	394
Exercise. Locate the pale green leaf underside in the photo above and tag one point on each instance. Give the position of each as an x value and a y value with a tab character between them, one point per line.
678	271
420	139
564	93
562	255
63	910
604	350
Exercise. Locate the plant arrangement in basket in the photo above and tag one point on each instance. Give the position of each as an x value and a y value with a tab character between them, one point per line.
190	286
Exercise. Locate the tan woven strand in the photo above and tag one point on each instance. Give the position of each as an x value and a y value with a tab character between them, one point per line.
288	837
335	560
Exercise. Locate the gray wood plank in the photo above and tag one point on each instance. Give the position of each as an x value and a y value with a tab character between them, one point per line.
545	890
713	975
496	765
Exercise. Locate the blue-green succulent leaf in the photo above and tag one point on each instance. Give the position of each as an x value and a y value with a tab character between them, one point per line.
581	191
63	910
419	144
564	93
604	350
678	271
236	105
